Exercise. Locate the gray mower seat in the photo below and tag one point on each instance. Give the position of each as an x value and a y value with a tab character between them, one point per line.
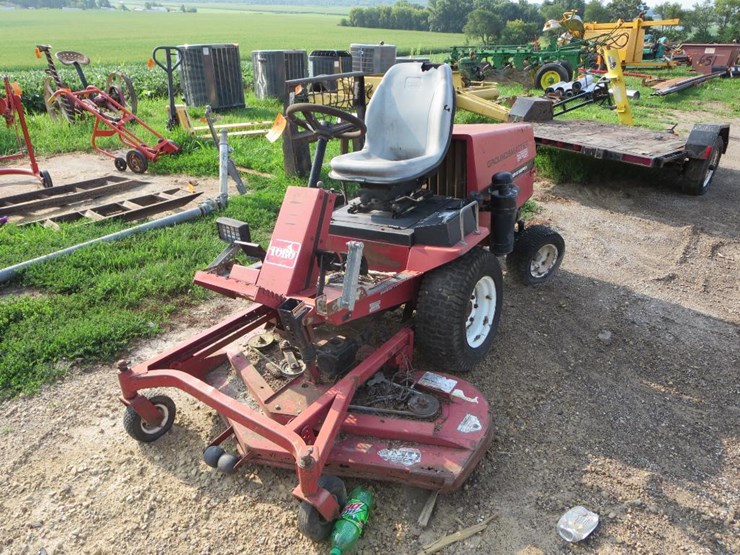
409	127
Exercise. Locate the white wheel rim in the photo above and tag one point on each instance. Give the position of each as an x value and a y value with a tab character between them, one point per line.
543	261
147	429
482	310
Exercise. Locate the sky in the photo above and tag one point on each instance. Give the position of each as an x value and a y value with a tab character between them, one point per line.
684	3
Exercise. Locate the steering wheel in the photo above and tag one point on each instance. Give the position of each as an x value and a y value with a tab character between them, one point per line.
303	115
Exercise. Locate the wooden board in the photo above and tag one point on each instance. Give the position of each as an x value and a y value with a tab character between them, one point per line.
129	209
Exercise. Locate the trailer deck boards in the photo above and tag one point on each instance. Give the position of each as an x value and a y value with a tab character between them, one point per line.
608	141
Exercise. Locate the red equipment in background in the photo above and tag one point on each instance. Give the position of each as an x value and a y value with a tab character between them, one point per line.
111	118
712	58
11	110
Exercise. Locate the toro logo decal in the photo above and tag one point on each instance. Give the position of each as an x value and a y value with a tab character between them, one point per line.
283	253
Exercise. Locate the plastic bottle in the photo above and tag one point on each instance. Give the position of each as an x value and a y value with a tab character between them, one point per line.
351	523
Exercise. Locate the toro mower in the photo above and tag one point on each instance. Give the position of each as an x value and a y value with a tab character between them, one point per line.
436	205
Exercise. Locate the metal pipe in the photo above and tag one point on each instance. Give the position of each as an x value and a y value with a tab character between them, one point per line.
632	94
223	166
205	208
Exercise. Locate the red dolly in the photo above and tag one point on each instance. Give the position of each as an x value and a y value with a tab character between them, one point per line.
11	109
111	118
423	234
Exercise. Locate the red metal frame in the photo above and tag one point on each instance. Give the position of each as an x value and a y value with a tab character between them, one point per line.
100	105
11	109
310	427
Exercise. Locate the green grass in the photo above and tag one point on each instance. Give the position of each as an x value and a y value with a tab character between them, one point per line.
219	7
118	37
89	305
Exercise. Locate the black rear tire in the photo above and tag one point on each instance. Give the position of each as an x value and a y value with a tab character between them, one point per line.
138	428
537	255
458	311
697	175
310	522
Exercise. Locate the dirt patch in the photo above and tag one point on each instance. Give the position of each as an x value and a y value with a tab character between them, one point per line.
614	387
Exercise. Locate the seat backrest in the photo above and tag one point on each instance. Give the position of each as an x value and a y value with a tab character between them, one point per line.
410	114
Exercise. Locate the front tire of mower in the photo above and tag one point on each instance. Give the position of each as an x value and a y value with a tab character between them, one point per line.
537	255
310	522
458	311
698	175
140	430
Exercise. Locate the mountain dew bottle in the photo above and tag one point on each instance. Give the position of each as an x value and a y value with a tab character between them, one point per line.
349	526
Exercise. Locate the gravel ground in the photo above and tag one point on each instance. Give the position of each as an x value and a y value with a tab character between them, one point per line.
614	387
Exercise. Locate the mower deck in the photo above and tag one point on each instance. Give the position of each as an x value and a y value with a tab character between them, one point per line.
316	428
434	453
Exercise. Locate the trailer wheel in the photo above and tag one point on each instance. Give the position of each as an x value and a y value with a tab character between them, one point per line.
310	522
697	175
549	74
120	164
458	310
140	430
136	161
46	180
212	454
537	255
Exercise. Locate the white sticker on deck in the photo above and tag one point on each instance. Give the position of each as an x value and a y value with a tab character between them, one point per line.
435	381
405	456
469	424
461	394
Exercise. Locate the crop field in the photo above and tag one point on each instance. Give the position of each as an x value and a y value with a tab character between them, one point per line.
129	37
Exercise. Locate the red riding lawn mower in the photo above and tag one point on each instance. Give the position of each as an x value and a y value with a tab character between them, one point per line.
436	205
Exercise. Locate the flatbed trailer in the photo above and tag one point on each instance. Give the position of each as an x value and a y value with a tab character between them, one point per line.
696	157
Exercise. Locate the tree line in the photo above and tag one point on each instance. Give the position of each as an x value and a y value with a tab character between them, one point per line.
508	22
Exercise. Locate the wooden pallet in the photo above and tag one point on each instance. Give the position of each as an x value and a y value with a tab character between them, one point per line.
64	195
135	208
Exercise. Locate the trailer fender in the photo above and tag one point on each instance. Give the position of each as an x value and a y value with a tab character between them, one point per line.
702	135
